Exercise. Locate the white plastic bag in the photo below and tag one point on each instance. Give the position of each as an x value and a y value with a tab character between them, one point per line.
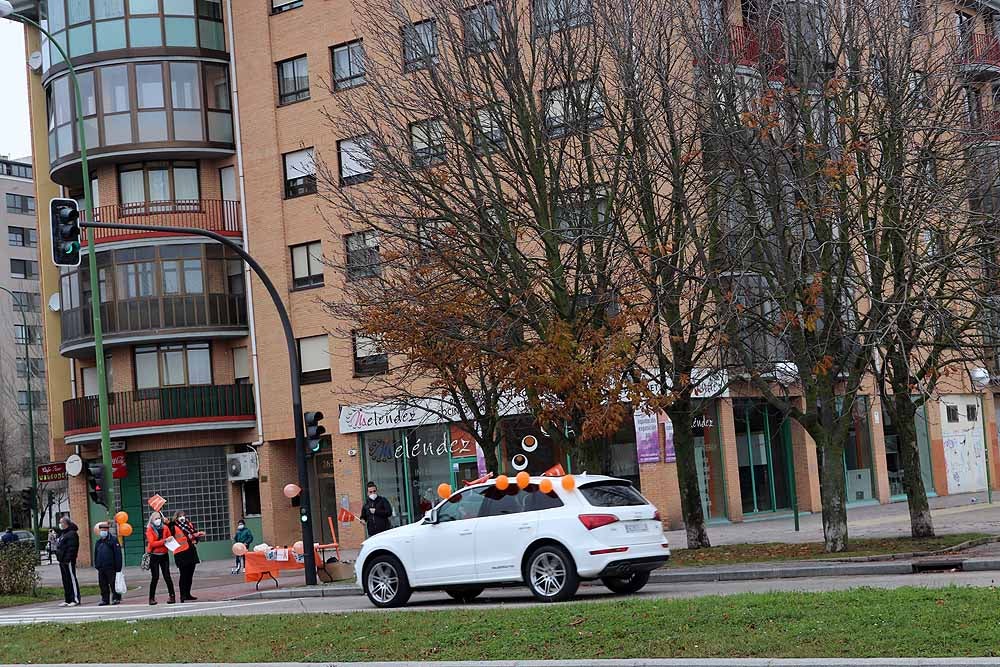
120	586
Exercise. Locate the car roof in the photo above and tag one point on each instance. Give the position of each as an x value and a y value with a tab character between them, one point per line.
584	479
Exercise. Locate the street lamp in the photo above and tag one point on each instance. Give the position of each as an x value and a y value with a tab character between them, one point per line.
7	11
31	409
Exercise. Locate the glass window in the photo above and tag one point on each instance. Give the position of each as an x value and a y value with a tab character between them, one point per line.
369	359
348	65
355	161
307	264
136	280
278	6
612	494
210	9
419	44
184	89
64	137
498	503
149	86
131	187
187	126
293	80
110	35
109	9
89	98
145	33
186	183
464	505
579	106
427	142
81	40
152	125
181	7
21	204
314	358
217	87
487	129
481	28
199	364
60	89
147	368
23	269
211	35
77	11
194	479
241	365
300	173
158	183
114	88
535	500
553	15
143	6
118	129
180	31
362	255
57	15
220	127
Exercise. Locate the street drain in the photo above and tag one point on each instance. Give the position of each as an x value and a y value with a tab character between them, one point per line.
929	566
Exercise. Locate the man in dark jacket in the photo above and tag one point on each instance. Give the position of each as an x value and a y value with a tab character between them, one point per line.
107	562
376	511
66	551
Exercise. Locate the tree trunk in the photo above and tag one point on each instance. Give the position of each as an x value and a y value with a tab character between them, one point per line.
681	414
921	524
833	488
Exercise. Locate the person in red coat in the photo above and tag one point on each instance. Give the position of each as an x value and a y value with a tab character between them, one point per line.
157	534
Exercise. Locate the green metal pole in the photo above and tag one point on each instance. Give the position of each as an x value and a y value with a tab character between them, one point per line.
95	295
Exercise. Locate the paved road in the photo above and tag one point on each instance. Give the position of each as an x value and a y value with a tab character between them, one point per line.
134	611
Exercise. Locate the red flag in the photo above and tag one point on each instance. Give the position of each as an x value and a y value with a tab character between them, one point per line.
488	476
555	471
156	502
345	516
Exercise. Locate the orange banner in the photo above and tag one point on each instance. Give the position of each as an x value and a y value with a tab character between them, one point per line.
157	502
345	516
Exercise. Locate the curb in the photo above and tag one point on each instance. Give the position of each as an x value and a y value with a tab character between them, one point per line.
334	591
636	662
962	546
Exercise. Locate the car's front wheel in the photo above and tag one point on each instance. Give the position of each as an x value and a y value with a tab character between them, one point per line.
551	574
464	594
632	583
385	582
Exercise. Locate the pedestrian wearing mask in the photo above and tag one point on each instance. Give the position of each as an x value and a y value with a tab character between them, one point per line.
157	534
108	563
376	511
186	555
66	552
245	537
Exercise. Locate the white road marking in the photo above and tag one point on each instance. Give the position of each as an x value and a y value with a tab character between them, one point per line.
56	614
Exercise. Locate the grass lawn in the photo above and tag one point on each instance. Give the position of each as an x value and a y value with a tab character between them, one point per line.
45	594
751	553
858	623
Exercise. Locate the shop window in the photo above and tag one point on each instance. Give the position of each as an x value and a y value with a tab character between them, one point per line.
293	80
952	412
419	45
24	269
481	28
278	6
427	142
314	359
172	365
363	258
21	237
194	479
368	357
348	65
300	173
354	157
307	265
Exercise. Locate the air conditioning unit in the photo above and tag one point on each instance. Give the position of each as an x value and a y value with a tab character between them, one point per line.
242	466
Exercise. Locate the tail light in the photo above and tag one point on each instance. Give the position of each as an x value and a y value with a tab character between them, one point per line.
592	521
656	516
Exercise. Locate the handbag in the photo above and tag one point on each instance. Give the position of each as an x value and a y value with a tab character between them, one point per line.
143	563
120	586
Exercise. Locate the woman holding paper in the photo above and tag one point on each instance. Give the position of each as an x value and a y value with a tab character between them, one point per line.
186	555
160	542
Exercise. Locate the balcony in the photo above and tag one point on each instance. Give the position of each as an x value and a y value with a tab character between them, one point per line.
980	54
213	215
747	46
984	127
165	410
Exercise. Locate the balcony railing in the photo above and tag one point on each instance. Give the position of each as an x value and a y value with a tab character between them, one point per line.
148	315
750	47
214	215
980	49
985	126
168	405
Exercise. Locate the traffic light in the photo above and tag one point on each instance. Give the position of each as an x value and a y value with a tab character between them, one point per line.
64	215
27	500
314	431
95	480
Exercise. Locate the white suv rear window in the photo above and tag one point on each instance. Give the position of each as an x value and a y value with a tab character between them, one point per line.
612	494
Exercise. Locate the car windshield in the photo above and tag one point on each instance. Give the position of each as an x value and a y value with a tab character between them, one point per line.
612	494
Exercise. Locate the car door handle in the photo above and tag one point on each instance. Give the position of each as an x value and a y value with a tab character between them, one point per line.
524	526
465	532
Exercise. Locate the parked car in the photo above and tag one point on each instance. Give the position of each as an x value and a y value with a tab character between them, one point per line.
24	536
481	536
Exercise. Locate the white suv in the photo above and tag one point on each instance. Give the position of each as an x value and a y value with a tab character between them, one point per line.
482	536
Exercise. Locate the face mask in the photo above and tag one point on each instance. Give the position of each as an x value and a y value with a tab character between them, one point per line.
104	534
181	519
373	496
240	526
157	522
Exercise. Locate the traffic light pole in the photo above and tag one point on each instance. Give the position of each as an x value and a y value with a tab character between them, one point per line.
305	512
95	295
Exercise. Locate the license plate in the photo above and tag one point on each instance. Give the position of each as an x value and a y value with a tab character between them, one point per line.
636	528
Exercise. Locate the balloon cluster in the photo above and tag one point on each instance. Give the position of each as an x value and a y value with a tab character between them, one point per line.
523	481
124	527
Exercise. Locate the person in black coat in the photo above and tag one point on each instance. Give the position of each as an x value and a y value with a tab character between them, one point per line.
376	511
107	562
66	552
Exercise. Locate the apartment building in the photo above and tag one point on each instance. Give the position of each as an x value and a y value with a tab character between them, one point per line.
19	275
209	113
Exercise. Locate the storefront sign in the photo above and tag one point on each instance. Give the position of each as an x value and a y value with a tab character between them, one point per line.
52	472
463	444
418	412
118	468
647	436
380	451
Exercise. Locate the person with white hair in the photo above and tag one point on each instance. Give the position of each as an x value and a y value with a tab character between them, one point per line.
157	535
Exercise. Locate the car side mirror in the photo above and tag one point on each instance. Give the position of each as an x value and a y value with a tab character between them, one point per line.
430	517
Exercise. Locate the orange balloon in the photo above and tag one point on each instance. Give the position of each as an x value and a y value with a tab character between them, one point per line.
569	482
523	479
239	549
444	490
291	490
125	529
121	517
545	486
298	547
503	482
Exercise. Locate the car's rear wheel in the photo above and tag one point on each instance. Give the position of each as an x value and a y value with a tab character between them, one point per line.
385	582
632	583
551	574
464	594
